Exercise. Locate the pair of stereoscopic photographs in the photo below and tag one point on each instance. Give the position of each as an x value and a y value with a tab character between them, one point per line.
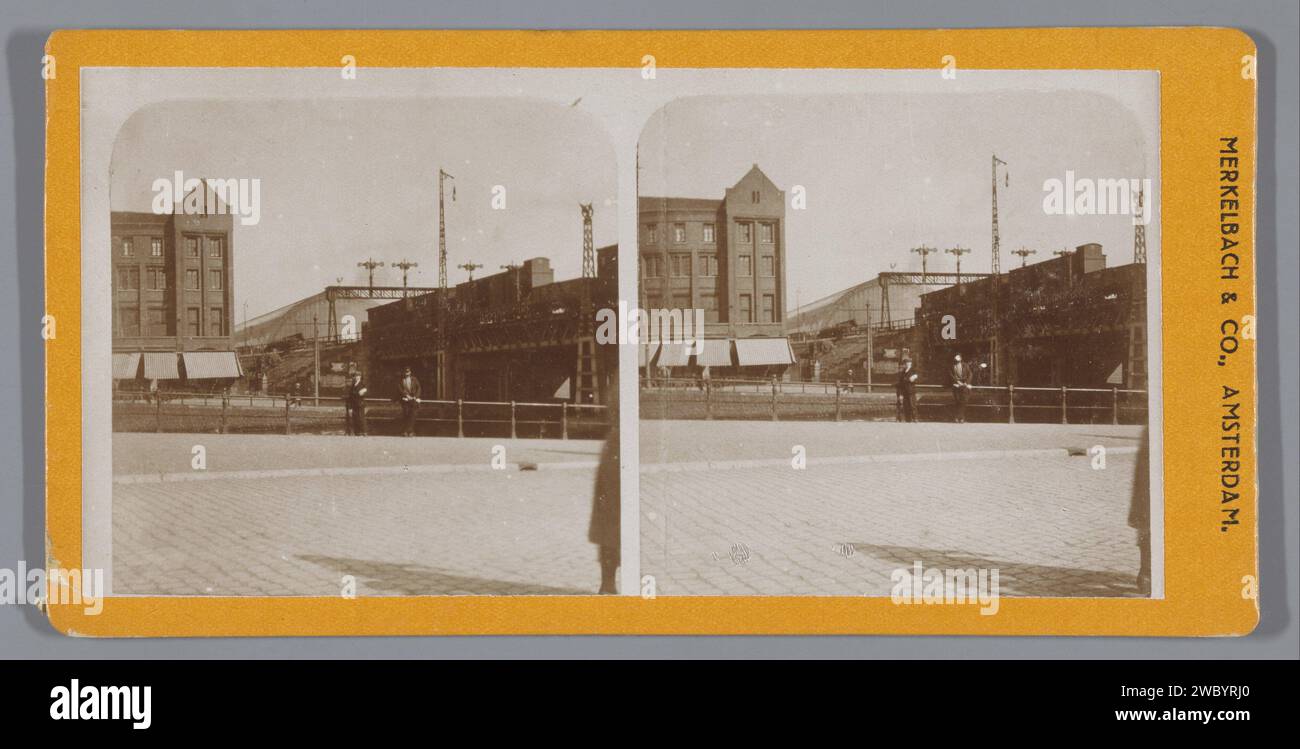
561	332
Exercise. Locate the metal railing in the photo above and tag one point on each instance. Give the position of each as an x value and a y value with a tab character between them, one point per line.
171	411
776	399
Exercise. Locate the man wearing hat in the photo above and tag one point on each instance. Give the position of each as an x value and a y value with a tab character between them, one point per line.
905	387
354	404
408	393
961	387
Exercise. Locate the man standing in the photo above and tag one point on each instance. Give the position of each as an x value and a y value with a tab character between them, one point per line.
905	387
354	404
960	376
408	393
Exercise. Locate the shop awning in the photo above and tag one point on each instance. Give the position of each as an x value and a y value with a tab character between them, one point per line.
125	366
717	353
757	352
209	365
161	367
646	354
674	354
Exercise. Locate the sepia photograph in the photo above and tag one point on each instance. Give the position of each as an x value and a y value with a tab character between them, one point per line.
353	346
914	349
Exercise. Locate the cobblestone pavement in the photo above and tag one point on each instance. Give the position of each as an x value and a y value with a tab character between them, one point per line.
480	531
1049	523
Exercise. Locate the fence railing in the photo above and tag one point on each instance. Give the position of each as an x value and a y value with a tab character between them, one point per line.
776	400
171	411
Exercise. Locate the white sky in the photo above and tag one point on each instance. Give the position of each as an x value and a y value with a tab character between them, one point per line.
889	171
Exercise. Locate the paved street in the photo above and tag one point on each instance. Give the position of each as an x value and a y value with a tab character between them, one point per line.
347	507
724	513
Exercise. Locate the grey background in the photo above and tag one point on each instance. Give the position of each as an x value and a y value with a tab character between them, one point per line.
24	27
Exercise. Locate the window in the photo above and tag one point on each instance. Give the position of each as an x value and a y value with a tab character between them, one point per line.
215	320
157	321
755	197
708	265
651	236
129	319
746	233
128	278
157	278
216	247
155	246
654	266
769	265
192	321
769	308
681	264
192	279
127	250
679	233
744	266
708	233
191	246
710	304
214	279
746	308
766	232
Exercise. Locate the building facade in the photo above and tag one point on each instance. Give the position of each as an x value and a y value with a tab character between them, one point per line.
726	257
173	285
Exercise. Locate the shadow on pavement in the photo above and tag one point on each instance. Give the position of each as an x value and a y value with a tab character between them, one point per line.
417	580
1015	579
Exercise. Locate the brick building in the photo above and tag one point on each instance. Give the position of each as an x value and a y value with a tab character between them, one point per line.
172	310
726	257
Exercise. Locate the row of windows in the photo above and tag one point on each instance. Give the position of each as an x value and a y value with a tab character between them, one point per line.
157	324
680	265
216	246
709	303
744	229
128	278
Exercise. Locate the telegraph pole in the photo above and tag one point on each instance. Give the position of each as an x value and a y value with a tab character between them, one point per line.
588	253
315	356
370	264
958	252
997	273
1024	255
442	227
1139	232
924	252
471	267
405	265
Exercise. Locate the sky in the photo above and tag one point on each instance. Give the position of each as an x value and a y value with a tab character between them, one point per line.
886	172
346	180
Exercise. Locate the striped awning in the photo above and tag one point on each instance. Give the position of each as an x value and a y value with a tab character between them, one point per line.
161	367
674	354
646	353
717	353
209	365
126	366
754	352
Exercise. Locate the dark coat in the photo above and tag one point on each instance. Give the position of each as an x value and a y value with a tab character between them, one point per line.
905	385
606	507
403	392
1139	508
355	396
960	374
